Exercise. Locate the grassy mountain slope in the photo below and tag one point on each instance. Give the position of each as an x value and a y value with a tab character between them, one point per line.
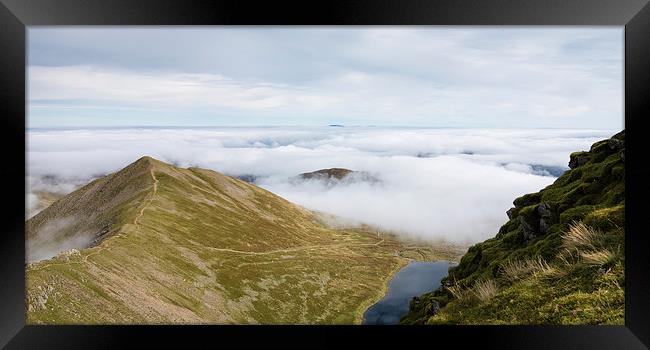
171	245
558	260
43	200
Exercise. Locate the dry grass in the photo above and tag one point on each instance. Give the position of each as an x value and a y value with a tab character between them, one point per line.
457	291
484	290
580	237
598	257
519	269
584	242
567	259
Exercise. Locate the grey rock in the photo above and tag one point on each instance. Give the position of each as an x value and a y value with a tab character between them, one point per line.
578	160
544	210
433	308
527	230
615	144
547	217
543	226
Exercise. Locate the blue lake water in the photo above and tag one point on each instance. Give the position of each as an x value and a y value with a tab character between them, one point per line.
413	280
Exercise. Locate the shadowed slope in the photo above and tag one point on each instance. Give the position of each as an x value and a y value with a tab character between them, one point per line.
91	213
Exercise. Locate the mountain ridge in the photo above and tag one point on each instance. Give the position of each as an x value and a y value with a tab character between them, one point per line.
172	245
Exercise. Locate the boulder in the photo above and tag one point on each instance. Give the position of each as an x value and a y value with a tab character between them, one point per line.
432	308
544	210
547	216
615	144
510	213
527	229
544	226
578	159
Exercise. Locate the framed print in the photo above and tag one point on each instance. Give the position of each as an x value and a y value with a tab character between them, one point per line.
426	170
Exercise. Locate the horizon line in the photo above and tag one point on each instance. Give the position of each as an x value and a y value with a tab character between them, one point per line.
310	126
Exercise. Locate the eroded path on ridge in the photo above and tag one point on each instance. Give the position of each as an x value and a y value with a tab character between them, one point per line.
153	194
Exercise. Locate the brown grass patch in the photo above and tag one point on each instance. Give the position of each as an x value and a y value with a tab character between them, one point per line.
484	290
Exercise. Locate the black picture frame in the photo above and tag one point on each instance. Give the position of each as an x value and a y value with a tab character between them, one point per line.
15	15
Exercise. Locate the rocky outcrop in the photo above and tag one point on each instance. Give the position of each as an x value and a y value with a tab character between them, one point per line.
594	183
547	217
578	159
536	220
528	229
421	307
615	144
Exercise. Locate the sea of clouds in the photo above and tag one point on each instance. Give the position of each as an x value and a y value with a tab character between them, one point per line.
452	184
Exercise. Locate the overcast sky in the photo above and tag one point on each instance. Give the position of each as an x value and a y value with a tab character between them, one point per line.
416	76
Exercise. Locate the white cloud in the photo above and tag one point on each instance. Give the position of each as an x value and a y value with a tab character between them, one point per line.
463	77
50	240
96	85
436	183
441	197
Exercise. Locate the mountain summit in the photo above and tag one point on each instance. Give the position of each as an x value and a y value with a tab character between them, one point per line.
334	176
333	173
154	243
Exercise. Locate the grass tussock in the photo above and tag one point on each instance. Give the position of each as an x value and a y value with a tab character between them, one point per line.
457	291
585	286
580	237
602	257
484	290
522	268
583	244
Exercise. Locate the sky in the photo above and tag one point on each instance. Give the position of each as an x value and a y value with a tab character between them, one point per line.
458	77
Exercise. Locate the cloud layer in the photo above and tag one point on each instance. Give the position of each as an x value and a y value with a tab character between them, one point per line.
454	184
49	241
423	76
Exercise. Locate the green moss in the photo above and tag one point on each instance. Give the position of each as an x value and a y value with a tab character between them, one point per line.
527	199
575	214
592	192
575	295
606	219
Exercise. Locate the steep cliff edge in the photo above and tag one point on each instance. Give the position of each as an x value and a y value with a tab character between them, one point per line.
559	259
